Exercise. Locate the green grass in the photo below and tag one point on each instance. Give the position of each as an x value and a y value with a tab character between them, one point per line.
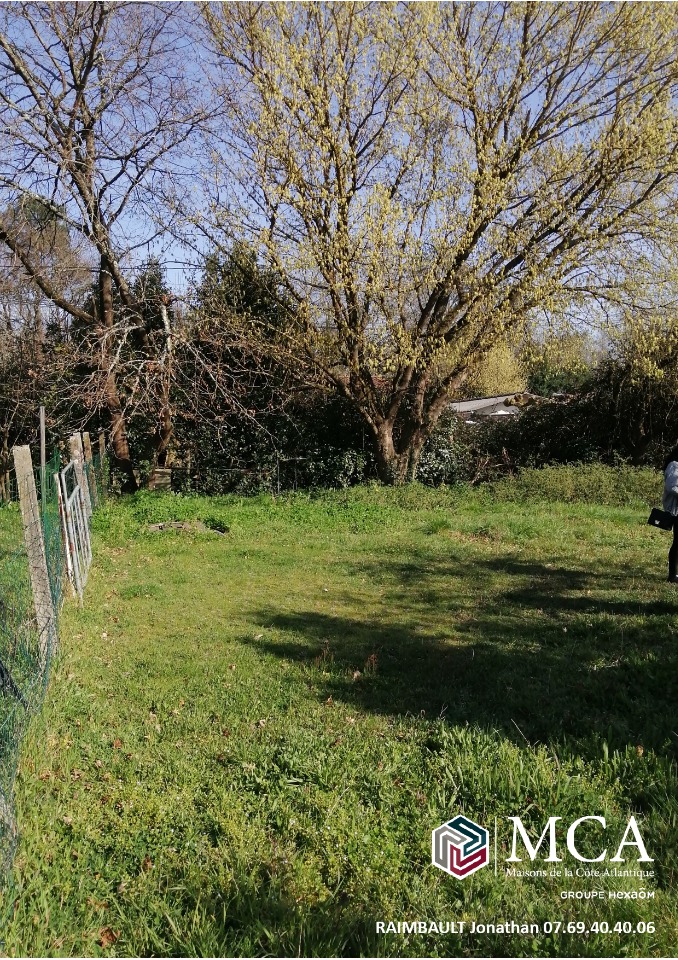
10	528
250	737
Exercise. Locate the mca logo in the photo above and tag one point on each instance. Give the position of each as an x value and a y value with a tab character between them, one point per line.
460	847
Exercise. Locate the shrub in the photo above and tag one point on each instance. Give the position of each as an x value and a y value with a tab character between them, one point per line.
597	483
615	418
325	467
455	453
556	432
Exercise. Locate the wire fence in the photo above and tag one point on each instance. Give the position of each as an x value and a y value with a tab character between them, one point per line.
47	486
34	570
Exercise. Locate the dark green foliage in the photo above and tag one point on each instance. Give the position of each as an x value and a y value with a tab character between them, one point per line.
229	397
614	419
315	441
634	416
568	431
235	285
452	453
149	290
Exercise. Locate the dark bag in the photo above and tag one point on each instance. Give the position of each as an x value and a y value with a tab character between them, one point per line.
661	519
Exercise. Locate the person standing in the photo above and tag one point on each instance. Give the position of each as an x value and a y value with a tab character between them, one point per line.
670	504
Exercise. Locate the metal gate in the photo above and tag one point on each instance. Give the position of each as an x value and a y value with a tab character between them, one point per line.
76	528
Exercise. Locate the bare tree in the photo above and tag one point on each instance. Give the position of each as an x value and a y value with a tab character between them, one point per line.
33	331
423	177
97	102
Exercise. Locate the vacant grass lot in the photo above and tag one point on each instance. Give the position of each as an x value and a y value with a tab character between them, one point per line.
250	736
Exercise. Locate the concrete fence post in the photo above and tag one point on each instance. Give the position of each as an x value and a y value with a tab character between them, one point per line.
35	548
78	457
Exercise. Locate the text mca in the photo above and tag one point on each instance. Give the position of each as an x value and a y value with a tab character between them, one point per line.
531	846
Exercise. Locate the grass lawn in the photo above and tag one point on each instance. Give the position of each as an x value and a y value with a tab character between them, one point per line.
10	528
249	737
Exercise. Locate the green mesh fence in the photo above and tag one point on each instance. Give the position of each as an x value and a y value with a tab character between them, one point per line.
99	470
47	486
25	654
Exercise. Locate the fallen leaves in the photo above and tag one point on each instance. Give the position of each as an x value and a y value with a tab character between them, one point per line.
97	904
107	937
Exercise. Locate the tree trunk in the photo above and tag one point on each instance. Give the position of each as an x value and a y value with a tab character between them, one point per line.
164	436
165	429
119	441
414	454
397	467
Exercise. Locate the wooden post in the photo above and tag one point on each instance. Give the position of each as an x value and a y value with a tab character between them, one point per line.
35	548
77	455
87	447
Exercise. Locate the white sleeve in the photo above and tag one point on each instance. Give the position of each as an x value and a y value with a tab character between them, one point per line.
671	478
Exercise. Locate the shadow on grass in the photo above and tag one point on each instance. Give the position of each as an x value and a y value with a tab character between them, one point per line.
267	921
543	653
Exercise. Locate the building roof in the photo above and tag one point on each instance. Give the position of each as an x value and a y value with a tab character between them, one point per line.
488	406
